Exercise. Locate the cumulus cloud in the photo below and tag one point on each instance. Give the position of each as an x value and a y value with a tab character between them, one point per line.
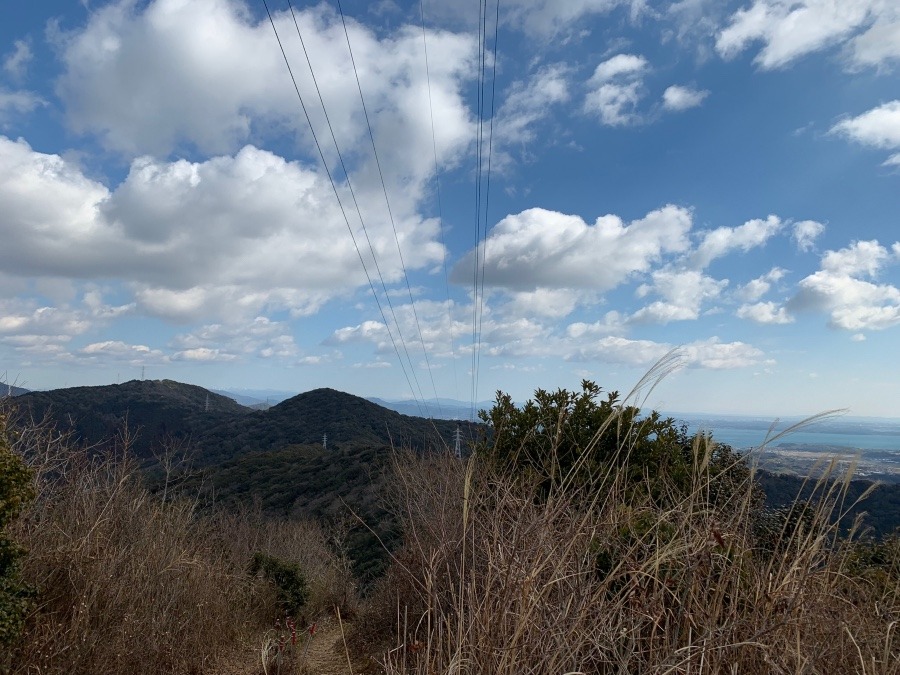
711	353
877	128
611	324
138	76
806	232
513	337
677	98
790	30
527	103
717	355
261	337
116	351
539	248
764	312
549	302
367	331
203	355
723	240
841	289
616	88
683	294
228	236
755	289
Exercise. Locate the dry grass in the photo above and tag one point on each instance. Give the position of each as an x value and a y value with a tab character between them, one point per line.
130	583
494	578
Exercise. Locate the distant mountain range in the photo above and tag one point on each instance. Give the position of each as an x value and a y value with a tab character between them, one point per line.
10	390
218	427
441	408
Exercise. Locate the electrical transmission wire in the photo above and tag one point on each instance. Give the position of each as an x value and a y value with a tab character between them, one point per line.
358	209
341	204
437	181
482	179
487	190
390	212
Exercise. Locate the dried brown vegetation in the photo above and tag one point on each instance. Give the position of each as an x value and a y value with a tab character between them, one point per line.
128	582
499	576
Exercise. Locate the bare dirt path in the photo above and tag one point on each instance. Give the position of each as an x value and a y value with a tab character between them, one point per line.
326	655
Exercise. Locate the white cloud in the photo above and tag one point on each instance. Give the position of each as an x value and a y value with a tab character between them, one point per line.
616	88
862	258
222	238
20	319
858	337
17	103
118	351
683	293
711	353
616	349
806	232
851	302
792	29
548	18
260	337
717	355
538	248
877	128
16	62
678	98
138	76
527	103
611	324
367	331
755	289
878	45
203	355
376	365
723	240
554	303
765	312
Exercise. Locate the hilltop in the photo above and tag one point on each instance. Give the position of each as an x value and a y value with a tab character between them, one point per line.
154	411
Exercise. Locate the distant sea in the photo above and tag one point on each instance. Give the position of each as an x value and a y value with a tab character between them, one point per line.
853	433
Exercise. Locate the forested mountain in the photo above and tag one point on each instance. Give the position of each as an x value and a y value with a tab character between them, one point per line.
218	428
308	418
154	412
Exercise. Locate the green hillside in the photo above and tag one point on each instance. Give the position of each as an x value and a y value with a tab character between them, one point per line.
153	410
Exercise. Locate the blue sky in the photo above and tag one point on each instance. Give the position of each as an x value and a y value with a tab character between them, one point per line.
718	177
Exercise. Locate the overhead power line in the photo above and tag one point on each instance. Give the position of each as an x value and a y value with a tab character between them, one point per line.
341	205
437	182
387	202
482	178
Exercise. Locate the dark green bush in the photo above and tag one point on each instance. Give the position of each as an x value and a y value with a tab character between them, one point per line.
287	578
575	438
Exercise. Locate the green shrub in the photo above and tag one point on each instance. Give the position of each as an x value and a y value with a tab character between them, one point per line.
16	491
287	578
564	439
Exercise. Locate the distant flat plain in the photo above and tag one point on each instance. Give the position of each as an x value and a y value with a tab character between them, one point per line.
873	443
